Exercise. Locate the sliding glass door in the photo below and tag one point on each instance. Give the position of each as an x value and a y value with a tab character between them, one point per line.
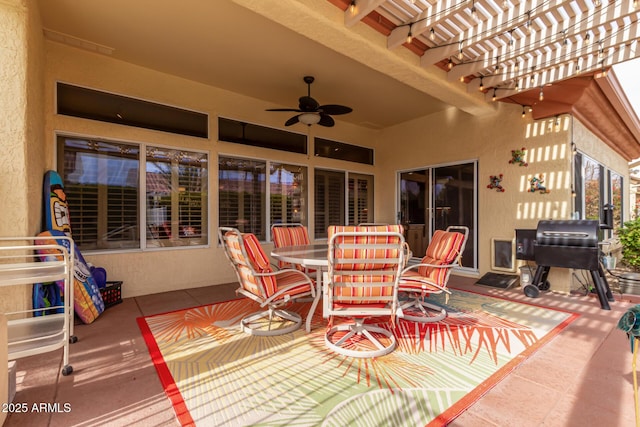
438	197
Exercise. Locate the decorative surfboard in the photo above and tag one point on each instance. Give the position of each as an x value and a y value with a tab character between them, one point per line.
87	300
47	295
56	210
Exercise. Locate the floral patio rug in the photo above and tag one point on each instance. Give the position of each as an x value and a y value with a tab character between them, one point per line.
216	375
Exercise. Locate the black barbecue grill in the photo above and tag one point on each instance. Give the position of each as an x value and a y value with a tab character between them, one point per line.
569	244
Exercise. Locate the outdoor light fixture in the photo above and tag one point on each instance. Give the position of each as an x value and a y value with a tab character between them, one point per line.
309	118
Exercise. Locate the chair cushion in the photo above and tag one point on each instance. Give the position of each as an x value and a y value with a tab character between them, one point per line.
261	286
248	281
343	293
257	257
259	262
443	249
414	281
365	254
290	236
444	246
291	278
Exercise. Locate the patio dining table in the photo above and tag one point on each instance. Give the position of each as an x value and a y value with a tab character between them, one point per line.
313	256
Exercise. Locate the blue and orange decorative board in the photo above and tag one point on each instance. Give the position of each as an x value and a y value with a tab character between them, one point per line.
56	210
87	300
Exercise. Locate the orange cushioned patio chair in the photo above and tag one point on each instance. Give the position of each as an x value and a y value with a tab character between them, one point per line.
290	234
269	287
431	276
362	284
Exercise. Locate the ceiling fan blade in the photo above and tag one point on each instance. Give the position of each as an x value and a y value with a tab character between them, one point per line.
334	109
308	104
292	121
283	109
326	120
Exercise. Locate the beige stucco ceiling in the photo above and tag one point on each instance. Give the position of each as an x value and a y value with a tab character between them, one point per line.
263	49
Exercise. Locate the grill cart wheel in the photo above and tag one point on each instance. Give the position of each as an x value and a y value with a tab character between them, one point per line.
532	291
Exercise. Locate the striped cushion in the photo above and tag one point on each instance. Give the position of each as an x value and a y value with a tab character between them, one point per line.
257	257
247	278
289	236
259	262
443	250
343	293
364	254
291	278
263	286
412	280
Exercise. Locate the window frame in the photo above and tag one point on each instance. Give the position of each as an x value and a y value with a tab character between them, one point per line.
345	212
266	207
605	188
142	147
309	194
175	202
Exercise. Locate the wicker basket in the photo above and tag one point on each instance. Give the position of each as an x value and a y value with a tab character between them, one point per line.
112	293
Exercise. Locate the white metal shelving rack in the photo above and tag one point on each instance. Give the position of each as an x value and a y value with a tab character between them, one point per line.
21	265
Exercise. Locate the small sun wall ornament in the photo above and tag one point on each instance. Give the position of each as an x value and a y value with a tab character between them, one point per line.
494	182
537	184
517	156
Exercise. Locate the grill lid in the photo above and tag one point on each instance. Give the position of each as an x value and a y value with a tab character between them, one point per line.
581	232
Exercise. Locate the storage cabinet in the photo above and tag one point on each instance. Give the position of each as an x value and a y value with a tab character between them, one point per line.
22	263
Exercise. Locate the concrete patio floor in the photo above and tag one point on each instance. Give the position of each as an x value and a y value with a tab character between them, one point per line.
582	377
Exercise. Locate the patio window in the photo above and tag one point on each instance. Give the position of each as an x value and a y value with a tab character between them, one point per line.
595	187
246	202
261	136
331	190
104	181
342	151
244	193
176	183
329	198
287	195
360	197
93	104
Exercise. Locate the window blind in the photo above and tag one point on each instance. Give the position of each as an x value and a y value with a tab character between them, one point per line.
101	184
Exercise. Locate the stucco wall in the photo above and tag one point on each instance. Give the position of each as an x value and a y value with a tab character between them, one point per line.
164	270
21	129
449	136
452	136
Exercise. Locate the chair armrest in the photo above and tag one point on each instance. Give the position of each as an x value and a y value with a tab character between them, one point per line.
283	290
425	279
415	266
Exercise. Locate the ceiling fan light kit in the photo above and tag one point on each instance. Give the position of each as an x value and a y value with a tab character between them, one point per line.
311	112
309	118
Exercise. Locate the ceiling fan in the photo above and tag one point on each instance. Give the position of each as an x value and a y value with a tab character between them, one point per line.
311	112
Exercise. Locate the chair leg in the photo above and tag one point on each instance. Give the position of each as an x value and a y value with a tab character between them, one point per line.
255	324
360	340
416	309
